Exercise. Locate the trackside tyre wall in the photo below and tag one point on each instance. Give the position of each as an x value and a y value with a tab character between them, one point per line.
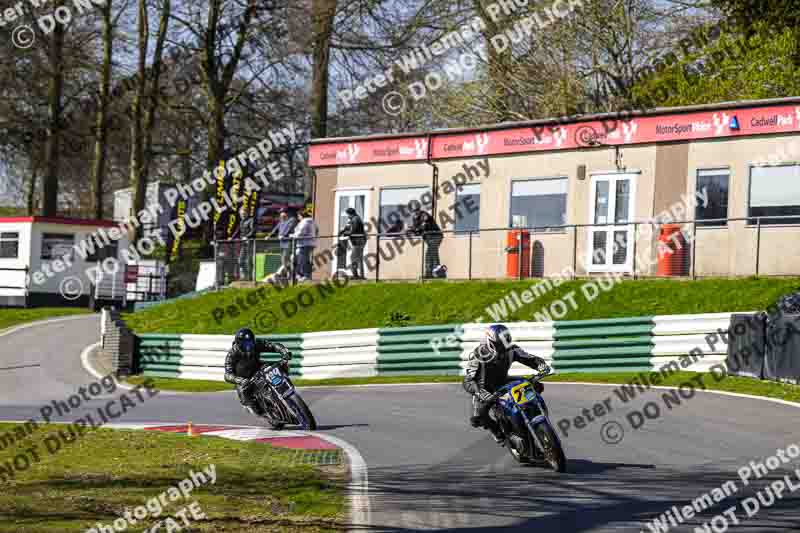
638	344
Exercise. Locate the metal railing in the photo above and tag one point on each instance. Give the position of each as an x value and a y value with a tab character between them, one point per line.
706	248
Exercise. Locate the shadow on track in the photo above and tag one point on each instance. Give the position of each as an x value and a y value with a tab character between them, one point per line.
589	497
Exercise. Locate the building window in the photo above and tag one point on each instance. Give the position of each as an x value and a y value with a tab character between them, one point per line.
774	191
57	246
468	212
102	252
712	184
395	208
9	245
539	203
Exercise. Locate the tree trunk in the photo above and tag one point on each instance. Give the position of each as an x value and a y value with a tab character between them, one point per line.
34	169
56	61
323	13
152	108
138	180
101	123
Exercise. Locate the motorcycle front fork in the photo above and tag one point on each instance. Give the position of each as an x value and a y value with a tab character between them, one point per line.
531	424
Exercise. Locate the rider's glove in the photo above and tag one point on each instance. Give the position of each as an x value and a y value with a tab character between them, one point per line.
542	366
484	395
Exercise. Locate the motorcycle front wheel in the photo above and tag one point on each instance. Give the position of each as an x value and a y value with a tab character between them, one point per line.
553	453
268	415
303	413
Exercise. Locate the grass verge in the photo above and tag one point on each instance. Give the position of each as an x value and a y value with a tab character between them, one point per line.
267	310
739	385
10	317
96	478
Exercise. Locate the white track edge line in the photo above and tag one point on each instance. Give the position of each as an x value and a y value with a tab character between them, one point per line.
723	393
359	483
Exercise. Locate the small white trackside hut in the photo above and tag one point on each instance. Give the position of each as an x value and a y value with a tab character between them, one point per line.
44	261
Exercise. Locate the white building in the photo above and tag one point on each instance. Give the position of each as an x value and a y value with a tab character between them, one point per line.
40	264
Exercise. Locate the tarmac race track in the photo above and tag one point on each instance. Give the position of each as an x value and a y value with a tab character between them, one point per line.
428	470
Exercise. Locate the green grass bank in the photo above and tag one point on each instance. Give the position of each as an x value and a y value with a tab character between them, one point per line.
370	305
99	476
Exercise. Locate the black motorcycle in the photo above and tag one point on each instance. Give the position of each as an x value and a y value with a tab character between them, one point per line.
278	400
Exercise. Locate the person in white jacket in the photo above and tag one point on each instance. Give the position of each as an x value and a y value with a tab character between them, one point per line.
305	235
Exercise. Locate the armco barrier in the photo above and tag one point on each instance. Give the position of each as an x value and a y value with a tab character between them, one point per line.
605	345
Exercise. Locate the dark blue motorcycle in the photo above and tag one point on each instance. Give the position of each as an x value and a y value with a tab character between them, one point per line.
524	419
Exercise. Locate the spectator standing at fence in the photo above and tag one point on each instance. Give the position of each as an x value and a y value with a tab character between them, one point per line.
354	230
247	232
284	230
306	234
424	225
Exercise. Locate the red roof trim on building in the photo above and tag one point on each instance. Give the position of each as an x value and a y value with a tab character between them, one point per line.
60	220
678	125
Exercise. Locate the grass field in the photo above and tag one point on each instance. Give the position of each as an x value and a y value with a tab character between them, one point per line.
739	385
12	317
408	304
96	478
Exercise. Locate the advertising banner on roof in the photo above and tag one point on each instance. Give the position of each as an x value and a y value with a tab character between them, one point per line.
362	152
567	136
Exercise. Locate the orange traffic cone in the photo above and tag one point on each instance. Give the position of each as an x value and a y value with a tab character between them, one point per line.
190	430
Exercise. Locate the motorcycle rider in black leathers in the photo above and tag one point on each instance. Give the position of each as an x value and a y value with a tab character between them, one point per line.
243	361
487	371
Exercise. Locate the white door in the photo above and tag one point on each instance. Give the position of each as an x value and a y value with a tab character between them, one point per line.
357	199
612	200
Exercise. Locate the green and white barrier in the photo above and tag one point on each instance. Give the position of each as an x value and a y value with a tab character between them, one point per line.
607	345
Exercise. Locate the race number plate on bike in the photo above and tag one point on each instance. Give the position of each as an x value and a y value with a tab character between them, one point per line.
523	393
279	381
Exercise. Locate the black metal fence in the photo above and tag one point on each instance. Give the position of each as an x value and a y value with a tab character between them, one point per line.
730	247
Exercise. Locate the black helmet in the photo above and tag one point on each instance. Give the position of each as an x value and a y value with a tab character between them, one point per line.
245	341
498	339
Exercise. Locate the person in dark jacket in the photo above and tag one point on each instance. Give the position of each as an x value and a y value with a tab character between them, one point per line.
424	225
243	361
354	230
247	231
487	371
